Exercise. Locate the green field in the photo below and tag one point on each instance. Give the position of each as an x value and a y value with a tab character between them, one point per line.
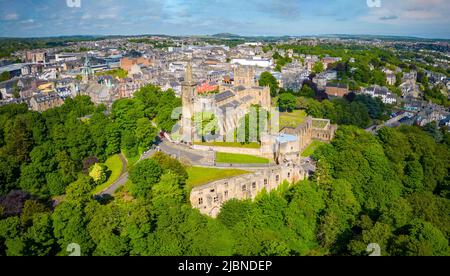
312	148
253	145
293	119
199	176
319	124
115	165
222	157
115	73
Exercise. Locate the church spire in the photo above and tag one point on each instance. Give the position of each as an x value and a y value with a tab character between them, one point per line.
188	78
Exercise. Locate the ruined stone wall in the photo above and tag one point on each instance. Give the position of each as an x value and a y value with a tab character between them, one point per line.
209	198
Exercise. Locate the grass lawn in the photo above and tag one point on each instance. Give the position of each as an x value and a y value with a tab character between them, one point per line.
115	165
312	148
253	145
293	119
115	73
222	157
199	176
319	124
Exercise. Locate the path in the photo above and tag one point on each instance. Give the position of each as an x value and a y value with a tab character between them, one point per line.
195	157
120	181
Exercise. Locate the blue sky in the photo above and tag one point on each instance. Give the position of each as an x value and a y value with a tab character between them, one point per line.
423	18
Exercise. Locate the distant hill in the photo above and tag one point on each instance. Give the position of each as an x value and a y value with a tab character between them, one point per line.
227	36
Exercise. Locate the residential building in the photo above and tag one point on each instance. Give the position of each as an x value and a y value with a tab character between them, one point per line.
336	89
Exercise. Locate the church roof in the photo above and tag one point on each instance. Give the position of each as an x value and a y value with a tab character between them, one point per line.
247	99
223	96
234	104
239	88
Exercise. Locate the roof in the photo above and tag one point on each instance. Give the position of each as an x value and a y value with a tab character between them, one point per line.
234	104
223	96
40	98
247	99
9	84
12	67
239	88
338	85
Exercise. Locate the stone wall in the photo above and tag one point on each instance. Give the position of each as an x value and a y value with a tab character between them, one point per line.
209	198
248	151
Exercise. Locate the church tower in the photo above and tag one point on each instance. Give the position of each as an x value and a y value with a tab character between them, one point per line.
245	76
87	72
188	96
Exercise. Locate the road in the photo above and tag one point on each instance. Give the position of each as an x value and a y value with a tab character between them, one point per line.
179	151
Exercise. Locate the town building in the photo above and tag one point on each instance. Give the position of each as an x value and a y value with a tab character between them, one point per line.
336	89
43	102
230	103
383	93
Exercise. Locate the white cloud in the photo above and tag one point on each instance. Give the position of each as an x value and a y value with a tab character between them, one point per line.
403	12
28	21
10	17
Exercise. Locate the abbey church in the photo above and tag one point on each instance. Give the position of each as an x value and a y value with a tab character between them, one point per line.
229	105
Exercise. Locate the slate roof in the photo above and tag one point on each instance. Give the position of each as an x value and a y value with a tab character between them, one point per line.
234	104
223	96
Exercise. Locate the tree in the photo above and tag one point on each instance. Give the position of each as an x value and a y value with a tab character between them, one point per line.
144	176
267	79
39	237
302	213
287	102
145	133
413	179
56	184
307	92
129	143
379	233
14	202
70	226
30	209
275	248
98	173
340	213
5	76
169	164
421	239
433	130
88	163
79	192
318	67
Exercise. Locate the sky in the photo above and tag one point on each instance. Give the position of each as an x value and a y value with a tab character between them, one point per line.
36	18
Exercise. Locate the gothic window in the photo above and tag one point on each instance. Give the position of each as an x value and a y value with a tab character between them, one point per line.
289	175
244	188
216	199
265	182
254	185
200	201
226	194
278	178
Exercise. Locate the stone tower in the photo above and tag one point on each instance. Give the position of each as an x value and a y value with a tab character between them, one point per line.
244	76
87	72
188	96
